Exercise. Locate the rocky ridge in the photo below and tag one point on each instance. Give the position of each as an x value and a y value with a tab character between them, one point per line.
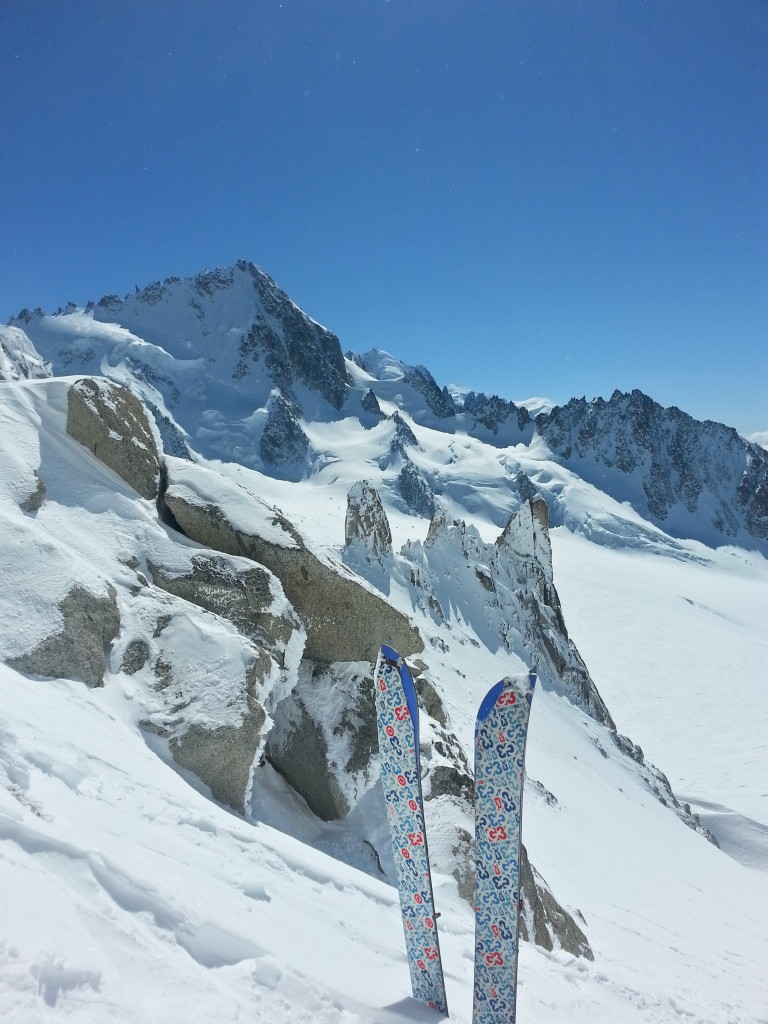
233	369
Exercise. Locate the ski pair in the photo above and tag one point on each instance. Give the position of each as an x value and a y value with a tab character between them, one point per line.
500	735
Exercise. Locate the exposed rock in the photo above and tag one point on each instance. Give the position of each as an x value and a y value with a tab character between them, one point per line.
242	595
439	401
112	423
294	346
499	419
283	442
223	757
447	780
324	737
543	920
430	699
508	595
366	522
135	656
525	487
210	704
403	437
344	620
369	403
79	650
36	498
171	438
416	491
696	479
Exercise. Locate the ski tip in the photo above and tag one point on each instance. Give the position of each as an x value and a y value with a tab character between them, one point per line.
522	686
489	700
390	654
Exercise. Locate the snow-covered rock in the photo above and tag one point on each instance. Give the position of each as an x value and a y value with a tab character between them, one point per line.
343	618
695	479
19	360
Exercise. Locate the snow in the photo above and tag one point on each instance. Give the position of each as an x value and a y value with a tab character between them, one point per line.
127	894
244	509
690	686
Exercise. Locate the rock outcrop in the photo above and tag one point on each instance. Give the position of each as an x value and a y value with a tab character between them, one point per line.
324	738
90	622
506	593
366	527
496	420
112	423
344	620
223	756
283	443
415	489
244	594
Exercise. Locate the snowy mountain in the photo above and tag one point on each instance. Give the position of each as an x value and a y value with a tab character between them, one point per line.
232	368
211	524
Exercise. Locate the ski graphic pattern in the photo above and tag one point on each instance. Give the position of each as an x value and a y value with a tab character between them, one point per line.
398	726
500	734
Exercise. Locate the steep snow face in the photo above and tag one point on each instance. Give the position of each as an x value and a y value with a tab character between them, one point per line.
19	359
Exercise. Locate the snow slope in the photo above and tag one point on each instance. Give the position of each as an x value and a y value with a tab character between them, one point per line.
128	894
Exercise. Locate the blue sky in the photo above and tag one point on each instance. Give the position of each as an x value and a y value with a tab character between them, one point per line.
530	197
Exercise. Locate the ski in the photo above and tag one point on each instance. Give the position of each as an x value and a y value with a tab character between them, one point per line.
397	718
500	734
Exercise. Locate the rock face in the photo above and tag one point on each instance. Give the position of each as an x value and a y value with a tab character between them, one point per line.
496	419
269	329
543	920
245	596
283	442
402	438
439	401
79	650
293	346
693	479
511	583
344	620
36	498
415	489
113	424
369	403
324	739
216	644
366	523
223	757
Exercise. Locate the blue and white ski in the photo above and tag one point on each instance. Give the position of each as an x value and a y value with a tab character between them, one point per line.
500	734
397	717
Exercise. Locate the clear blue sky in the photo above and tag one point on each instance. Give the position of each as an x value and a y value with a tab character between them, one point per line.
531	197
